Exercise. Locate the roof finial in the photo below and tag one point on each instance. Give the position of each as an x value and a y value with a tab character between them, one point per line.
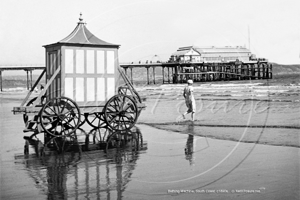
80	18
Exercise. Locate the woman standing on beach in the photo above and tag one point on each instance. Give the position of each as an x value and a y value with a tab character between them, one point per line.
188	94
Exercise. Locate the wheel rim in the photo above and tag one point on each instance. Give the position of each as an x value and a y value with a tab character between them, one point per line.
96	120
126	91
30	103
120	112
63	117
82	120
60	145
100	135
123	141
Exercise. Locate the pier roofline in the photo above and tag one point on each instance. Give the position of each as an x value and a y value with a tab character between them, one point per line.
21	67
170	64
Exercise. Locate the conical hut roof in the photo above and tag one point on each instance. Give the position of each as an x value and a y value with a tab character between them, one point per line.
81	36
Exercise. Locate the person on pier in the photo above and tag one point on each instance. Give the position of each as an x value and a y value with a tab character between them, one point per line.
188	94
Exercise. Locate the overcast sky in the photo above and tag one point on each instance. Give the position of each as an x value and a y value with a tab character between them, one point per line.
145	28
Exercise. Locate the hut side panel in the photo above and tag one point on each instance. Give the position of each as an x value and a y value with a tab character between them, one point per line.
90	75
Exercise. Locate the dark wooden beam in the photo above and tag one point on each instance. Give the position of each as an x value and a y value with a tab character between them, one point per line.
131	76
148	75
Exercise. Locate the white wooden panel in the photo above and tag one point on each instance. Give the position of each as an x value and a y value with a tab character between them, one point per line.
110	87
100	89
79	61
90	62
90	92
100	62
69	63
110	62
69	87
79	93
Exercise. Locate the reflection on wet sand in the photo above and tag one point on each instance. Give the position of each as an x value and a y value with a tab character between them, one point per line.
190	146
84	174
189	149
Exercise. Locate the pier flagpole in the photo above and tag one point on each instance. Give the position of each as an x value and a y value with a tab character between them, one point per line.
249	37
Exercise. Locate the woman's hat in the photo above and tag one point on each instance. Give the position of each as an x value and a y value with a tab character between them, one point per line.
190	81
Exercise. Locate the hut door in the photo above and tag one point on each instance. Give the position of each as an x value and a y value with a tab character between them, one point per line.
54	88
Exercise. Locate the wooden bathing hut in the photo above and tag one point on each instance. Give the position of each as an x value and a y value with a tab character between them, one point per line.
88	66
82	68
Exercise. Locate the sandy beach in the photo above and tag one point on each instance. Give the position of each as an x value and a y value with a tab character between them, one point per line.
244	144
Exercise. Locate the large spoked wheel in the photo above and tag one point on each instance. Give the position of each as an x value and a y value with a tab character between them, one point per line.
63	117
120	112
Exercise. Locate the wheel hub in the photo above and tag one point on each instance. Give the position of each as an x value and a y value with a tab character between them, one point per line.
61	116
122	113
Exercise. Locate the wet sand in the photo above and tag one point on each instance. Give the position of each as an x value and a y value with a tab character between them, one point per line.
237	112
244	144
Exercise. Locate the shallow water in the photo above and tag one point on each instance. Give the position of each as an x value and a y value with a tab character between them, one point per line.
168	165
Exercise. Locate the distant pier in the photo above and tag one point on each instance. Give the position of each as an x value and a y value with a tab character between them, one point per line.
202	72
179	72
27	69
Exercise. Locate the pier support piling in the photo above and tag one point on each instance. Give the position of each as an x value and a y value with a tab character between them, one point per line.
163	74
1	80
148	82
30	79
153	75
168	74
27	79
